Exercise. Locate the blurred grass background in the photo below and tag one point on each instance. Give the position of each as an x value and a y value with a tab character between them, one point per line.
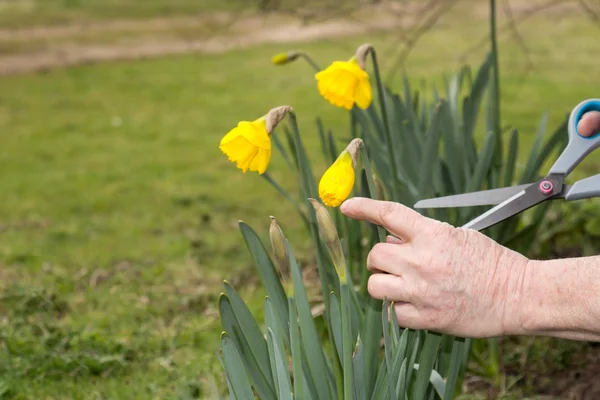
118	213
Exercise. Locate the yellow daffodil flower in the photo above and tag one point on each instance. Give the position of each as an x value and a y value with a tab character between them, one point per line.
249	143
337	182
345	83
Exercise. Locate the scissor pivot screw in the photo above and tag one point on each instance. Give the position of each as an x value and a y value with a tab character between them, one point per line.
546	187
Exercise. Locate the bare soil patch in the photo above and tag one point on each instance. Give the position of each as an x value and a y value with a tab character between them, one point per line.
218	32
239	32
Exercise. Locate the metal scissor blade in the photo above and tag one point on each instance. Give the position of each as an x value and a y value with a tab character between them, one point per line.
520	202
481	198
502	211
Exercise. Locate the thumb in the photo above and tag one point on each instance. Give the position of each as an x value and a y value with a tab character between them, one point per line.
398	219
589	124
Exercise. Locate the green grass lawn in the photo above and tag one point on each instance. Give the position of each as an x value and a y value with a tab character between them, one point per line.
118	217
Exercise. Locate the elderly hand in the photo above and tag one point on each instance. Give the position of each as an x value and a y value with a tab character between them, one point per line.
445	279
589	123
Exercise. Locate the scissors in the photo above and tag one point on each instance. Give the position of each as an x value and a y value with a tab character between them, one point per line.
513	200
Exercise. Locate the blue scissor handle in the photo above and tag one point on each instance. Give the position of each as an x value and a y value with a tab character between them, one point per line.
578	146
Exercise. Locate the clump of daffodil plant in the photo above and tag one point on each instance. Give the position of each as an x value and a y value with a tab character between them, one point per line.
410	148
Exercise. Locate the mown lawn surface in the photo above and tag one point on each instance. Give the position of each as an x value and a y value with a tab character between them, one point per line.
118	216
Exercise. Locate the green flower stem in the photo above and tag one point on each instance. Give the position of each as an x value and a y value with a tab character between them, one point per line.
386	122
495	84
373	192
371	185
311	61
309	191
347	343
495	364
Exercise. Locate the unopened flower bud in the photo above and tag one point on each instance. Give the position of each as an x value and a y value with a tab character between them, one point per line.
331	239
337	182
280	248
285	58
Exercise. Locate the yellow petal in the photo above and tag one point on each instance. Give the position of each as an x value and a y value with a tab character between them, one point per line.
343	84
248	145
364	94
337	182
261	161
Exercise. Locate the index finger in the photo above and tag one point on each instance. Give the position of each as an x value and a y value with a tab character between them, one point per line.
399	220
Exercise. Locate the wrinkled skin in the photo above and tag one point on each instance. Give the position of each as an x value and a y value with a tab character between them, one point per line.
454	280
445	279
448	279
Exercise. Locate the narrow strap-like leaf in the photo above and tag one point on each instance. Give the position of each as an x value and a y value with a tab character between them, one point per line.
323	140
283	378
267	272
347	343
371	185
395	326
388	348
511	162
429	160
282	150
529	172
557	141
335	313
296	351
377	123
237	380
273	323
414	343
426	360
320	372
455	368
371	340
401	386
380	389
263	384
471	109
290	140
414	134
437	382
309	190
484	163
334	152
451	151
358	362
266	176
227	380
250	330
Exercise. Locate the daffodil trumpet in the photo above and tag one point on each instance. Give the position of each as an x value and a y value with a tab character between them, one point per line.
337	182
249	143
346	83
